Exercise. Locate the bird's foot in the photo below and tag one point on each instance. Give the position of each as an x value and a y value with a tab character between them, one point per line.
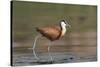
37	58
51	61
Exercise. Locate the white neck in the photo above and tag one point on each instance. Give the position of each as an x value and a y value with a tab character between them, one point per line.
63	30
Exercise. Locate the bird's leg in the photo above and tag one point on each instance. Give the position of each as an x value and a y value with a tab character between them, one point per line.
34	53
49	51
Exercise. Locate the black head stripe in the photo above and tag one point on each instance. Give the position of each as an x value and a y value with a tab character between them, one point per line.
64	21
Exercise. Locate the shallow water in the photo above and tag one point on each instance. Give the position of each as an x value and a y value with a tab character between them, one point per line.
27	58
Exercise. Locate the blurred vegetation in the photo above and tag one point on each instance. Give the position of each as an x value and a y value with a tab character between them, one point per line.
28	15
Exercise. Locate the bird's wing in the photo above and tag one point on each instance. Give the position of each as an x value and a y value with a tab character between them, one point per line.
50	32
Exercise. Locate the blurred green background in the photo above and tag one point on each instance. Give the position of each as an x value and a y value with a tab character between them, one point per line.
80	40
28	15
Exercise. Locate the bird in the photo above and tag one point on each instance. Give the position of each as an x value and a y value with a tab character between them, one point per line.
52	33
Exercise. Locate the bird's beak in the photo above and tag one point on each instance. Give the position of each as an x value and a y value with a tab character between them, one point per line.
69	26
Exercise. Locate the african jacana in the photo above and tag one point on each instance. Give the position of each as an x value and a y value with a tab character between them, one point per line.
52	33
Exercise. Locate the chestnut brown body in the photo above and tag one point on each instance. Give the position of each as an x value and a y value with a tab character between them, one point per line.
51	32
